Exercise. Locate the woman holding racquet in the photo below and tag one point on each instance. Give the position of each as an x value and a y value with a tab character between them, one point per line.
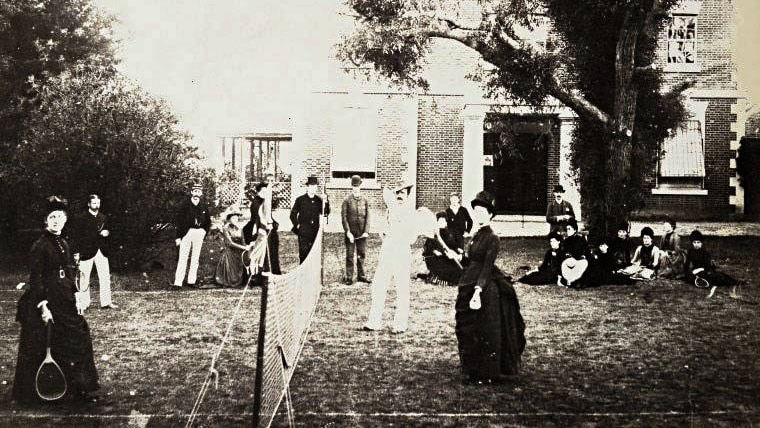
50	320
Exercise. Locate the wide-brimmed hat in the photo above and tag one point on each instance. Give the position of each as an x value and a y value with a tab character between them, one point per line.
312	181
233	213
356	181
483	199
558	189
696	236
402	185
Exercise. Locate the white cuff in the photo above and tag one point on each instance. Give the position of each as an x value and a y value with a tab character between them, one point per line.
44	302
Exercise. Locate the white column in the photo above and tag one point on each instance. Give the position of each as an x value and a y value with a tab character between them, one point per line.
409	140
472	158
567	176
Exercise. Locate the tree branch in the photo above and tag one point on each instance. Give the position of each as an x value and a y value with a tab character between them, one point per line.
474	39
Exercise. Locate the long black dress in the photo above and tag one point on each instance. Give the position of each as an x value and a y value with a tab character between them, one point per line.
441	267
491	339
51	279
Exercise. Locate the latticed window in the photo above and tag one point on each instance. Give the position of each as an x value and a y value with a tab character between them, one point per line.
683	159
682	39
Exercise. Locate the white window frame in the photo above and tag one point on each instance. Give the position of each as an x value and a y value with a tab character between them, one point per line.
684	8
355	125
697	111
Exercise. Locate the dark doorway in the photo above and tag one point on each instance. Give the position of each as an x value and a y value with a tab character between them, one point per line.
516	170
748	166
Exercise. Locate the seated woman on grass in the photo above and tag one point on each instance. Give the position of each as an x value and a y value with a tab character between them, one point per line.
576	268
549	270
646	260
607	265
621	247
441	255
671	254
701	270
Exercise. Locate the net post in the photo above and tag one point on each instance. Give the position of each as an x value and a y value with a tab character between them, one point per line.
258	382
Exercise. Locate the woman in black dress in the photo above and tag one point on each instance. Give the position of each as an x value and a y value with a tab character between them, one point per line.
441	257
489	328
50	297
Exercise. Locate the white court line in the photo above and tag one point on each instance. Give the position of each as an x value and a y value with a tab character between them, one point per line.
390	414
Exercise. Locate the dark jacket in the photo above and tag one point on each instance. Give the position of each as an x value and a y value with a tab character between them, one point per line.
355	215
621	252
192	216
86	239
305	214
458	224
554	210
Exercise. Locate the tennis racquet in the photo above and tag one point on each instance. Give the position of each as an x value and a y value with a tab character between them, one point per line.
50	382
700	282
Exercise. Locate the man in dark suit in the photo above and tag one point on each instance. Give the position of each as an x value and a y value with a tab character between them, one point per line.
354	214
305	217
559	212
193	223
90	243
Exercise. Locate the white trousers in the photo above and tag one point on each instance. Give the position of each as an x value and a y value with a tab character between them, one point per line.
192	241
394	265
104	277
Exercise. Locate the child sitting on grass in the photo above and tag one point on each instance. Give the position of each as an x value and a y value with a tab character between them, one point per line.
700	269
646	259
671	254
549	270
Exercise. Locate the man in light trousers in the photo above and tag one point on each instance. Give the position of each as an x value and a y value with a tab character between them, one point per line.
394	262
91	234
193	222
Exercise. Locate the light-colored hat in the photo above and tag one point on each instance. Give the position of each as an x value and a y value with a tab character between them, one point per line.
402	185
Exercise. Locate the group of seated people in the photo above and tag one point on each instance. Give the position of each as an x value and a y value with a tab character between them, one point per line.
572	262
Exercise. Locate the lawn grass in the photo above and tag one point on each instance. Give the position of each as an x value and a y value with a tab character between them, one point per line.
652	354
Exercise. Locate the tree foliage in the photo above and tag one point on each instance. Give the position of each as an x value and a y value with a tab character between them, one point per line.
95	132
598	61
39	40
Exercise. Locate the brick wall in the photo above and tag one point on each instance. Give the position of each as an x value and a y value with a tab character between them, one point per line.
318	132
440	136
714	205
714	48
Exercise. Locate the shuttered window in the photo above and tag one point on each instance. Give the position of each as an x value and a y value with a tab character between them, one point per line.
683	154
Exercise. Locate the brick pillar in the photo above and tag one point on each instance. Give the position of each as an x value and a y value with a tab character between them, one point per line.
567	176
738	128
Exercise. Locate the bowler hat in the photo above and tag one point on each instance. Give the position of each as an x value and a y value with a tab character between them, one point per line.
558	189
696	236
356	181
483	199
312	181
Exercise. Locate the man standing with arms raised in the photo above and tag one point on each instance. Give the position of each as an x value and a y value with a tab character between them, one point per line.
90	243
193	222
305	217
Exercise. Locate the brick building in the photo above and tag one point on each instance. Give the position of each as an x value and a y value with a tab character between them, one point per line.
445	139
